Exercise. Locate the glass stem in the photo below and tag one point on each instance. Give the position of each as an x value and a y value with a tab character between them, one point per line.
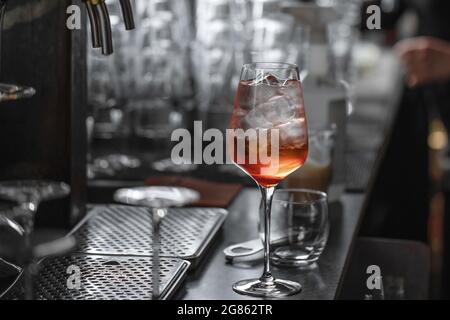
157	216
30	208
267	195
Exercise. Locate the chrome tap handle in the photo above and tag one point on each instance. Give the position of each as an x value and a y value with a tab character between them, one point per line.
93	19
128	16
105	27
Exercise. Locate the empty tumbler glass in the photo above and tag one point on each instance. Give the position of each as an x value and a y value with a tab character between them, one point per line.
300	227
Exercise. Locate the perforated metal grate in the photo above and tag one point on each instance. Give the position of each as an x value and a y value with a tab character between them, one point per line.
124	230
104	278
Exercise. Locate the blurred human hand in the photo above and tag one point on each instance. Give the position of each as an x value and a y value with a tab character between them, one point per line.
426	60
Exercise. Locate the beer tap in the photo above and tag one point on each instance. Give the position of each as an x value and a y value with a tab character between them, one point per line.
127	12
101	25
104	24
93	20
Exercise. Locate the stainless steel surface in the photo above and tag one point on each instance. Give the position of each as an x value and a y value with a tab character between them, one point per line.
123	230
104	278
157	200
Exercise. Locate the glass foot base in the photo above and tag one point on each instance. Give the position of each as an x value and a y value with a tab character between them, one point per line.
257	288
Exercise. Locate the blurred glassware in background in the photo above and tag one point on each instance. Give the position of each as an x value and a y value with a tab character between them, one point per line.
103	95
341	40
333	31
270	32
302	45
184	56
349	10
341	45
230	33
156	64
110	116
177	42
161	67
317	171
213	59
342	36
143	88
167	165
296	50
147	76
155	119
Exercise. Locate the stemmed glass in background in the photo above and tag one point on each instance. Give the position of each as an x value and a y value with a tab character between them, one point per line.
269	101
158	200
9	91
341	40
29	194
342	36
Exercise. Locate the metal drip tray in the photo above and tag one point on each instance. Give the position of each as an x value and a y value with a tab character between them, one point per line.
124	230
104	278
